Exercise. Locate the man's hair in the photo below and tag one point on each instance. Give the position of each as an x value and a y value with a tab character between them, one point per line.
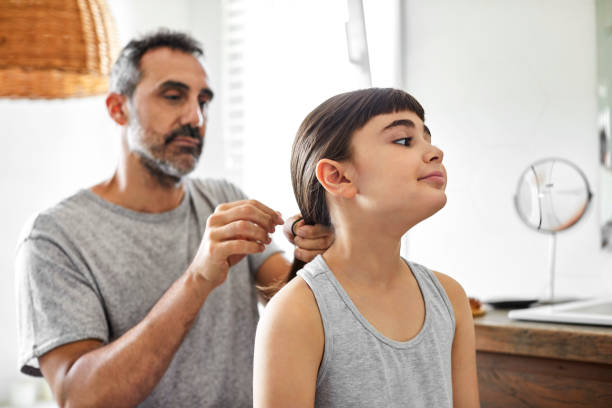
126	73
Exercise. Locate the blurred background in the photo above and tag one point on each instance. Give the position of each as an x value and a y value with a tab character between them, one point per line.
503	83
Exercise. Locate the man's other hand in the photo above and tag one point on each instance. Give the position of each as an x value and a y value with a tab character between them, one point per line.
309	240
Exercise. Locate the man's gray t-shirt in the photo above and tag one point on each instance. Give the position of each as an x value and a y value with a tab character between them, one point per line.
89	269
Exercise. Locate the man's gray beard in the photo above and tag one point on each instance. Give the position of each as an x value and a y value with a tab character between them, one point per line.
160	170
163	172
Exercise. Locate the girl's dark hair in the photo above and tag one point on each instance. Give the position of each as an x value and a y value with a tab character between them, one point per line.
326	134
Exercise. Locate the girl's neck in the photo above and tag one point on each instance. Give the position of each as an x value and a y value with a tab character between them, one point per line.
366	254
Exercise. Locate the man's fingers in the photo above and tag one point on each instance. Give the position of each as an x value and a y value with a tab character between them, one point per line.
239	247
275	216
305	254
246	212
240	229
290	224
314	243
312	231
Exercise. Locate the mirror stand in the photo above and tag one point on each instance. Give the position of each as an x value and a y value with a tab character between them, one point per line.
552	195
552	256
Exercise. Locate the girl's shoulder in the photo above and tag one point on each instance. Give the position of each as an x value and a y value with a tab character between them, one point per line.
449	284
456	294
293	312
288	348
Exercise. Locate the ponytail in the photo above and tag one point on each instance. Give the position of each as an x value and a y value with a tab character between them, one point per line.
297	263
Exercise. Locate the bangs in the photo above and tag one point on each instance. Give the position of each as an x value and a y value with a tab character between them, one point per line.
353	110
380	101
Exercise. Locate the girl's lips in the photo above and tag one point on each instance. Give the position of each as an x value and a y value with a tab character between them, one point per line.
435	174
437	177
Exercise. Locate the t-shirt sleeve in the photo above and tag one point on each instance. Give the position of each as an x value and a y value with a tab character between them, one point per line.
56	303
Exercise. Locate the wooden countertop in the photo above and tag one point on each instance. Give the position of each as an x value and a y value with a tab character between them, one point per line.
496	333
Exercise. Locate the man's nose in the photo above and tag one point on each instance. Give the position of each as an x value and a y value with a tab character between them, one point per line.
194	115
432	154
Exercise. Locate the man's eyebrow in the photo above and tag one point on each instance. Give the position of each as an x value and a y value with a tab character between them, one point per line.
208	92
174	84
400	122
177	84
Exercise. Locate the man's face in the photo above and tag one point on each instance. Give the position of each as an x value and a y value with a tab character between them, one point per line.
167	112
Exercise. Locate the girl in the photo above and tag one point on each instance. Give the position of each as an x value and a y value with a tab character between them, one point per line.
359	326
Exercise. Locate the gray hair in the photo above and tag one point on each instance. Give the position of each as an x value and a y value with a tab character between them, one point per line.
126	74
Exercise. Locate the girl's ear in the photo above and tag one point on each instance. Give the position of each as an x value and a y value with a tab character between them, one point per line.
336	178
116	105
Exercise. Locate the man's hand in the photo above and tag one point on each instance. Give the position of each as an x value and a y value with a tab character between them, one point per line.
309	240
233	231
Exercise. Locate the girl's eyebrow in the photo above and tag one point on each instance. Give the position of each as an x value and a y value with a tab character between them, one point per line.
400	122
407	123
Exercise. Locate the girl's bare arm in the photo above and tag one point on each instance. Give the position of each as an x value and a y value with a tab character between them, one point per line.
465	380
288	349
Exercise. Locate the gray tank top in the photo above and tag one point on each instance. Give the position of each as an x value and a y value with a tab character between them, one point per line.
363	368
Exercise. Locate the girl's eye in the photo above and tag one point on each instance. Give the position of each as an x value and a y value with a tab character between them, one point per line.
406	141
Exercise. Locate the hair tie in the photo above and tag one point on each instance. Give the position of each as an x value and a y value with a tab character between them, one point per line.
293	225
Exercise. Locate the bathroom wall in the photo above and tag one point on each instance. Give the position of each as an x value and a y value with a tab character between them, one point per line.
504	84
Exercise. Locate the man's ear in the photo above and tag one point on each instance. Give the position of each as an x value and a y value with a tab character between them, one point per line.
116	105
336	178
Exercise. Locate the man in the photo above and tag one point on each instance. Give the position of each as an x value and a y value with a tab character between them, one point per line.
141	289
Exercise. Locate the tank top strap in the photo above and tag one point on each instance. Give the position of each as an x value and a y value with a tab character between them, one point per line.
432	290
329	303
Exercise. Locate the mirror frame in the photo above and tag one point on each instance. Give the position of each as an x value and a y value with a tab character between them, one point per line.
569	163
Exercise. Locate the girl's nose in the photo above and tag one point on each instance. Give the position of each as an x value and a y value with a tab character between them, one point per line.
433	154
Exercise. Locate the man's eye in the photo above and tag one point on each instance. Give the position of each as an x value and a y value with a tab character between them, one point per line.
406	141
172	97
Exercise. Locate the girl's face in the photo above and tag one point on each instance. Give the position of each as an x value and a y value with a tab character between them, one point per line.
397	171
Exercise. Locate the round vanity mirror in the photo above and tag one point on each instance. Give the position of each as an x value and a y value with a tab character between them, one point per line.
551	196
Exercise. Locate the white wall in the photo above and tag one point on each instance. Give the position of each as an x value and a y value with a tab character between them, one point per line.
53	148
296	59
505	83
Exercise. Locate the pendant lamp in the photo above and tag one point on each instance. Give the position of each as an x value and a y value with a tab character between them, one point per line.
55	48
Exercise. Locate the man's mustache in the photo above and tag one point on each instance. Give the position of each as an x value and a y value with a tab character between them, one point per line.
185	130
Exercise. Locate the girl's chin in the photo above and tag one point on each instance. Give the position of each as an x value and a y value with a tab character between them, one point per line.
426	210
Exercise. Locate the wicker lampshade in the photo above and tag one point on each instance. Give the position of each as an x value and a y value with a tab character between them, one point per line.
55	48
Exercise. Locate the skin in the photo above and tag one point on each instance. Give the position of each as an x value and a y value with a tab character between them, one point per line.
172	93
374	198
